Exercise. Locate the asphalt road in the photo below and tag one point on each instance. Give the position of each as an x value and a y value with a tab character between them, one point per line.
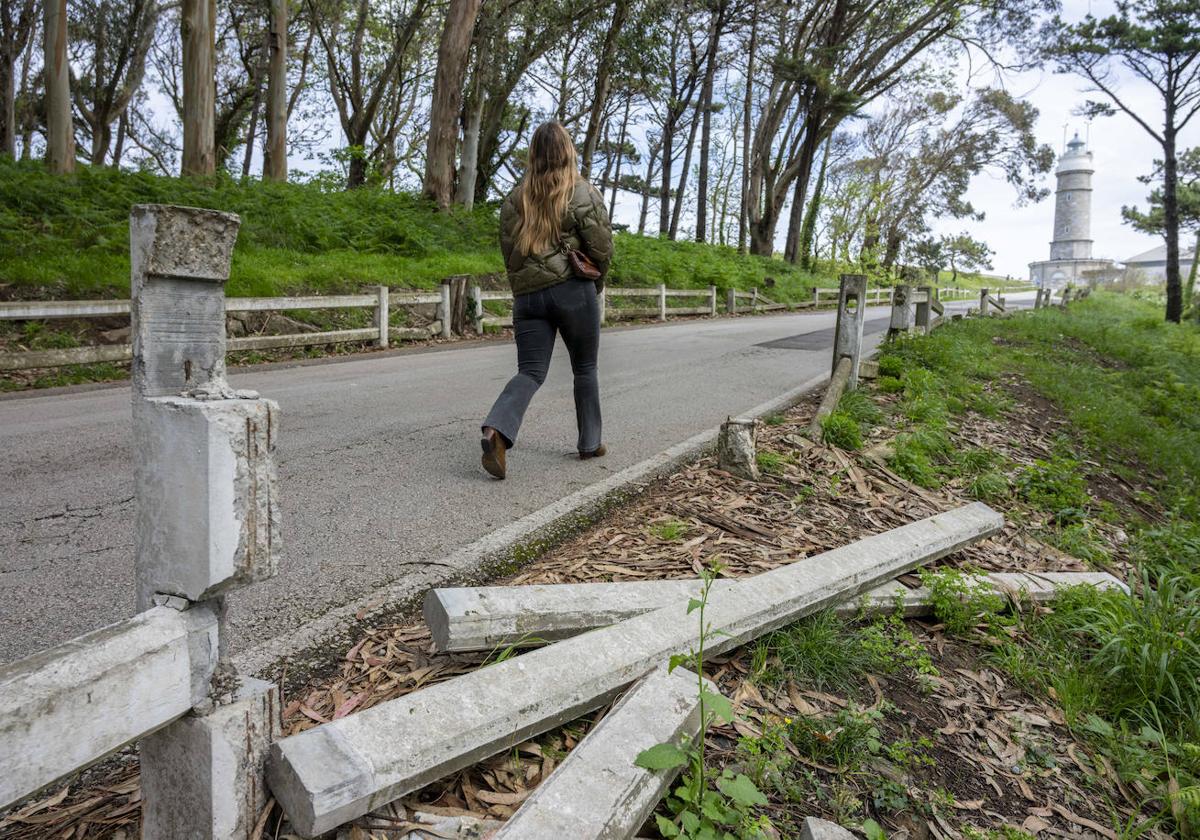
379	464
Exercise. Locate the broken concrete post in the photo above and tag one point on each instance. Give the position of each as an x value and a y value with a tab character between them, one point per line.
1002	302
207	513
477	300
902	310
1066	297
179	262
731	302
202	776
331	774
494	617
737	447
983	303
69	706
838	384
712	301
662	301
754	299
382	315
1037	299
924	308
598	793
445	311
848	333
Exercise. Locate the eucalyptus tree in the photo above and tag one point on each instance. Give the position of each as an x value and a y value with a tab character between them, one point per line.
454	50
373	59
831	58
111	40
1158	43
18	22
1153	219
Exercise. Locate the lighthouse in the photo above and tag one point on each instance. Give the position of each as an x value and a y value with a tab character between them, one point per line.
1071	261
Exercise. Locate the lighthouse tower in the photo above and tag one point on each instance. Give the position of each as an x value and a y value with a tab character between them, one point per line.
1071	248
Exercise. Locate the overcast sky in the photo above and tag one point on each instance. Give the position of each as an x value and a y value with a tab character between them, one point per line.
1122	149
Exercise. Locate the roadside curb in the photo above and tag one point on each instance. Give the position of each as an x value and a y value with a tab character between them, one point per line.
494	554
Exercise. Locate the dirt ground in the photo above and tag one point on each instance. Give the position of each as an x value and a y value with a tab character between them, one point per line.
977	753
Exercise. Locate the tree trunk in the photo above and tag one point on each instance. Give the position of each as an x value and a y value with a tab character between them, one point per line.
681	190
453	52
705	108
808	157
356	176
275	153
809	230
122	130
747	118
664	195
608	158
600	93
198	30
612	204
1190	290
1171	219
468	167
252	129
8	103
651	156
60	129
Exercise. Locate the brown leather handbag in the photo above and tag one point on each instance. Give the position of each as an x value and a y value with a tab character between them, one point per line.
581	264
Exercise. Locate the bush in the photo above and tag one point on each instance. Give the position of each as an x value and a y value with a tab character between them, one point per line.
841	430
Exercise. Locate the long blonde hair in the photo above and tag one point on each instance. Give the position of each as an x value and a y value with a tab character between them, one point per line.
546	189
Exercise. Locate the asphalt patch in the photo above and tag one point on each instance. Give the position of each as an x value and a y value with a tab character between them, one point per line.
821	339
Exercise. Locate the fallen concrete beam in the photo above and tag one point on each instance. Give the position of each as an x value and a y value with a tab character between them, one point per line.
331	774
833	394
492	617
71	705
598	793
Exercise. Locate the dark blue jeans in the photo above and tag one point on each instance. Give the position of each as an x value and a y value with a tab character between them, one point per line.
573	309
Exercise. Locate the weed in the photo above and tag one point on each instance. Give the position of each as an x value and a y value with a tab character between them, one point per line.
963	602
775	419
841	430
669	531
1055	486
845	740
771	463
890	365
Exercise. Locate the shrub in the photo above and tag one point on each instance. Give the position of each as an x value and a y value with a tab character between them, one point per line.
841	430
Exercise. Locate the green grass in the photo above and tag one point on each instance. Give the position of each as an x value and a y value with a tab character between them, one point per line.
1125	667
67	237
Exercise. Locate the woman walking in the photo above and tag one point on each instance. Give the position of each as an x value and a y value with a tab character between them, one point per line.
557	244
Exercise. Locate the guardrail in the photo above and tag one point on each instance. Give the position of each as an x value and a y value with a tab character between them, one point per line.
383	298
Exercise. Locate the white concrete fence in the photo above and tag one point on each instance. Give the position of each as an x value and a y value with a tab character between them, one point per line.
615	304
207	524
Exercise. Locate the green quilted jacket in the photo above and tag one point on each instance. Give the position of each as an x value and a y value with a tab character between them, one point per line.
585	227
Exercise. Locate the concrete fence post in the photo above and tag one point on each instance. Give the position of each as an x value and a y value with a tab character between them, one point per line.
902	310
754	299
712	301
983	303
207	514
603	301
924	308
662	301
731	302
848	333
1066	296
382	316
816	296
445	311
477	299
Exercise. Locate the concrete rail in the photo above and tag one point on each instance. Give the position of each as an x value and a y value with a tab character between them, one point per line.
478	618
342	770
69	706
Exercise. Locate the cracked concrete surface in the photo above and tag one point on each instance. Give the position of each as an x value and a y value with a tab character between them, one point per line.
378	461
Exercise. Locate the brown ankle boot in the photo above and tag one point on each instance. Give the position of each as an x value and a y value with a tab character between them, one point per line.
493	453
599	452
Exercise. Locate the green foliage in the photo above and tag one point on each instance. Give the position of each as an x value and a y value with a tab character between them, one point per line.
846	740
1055	486
771	463
828	652
963	602
669	531
704	806
841	430
68	236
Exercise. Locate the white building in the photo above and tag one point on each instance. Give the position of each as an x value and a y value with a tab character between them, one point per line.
1071	248
1151	266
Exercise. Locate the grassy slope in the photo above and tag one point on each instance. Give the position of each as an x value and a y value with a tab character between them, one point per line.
1126	669
68	238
